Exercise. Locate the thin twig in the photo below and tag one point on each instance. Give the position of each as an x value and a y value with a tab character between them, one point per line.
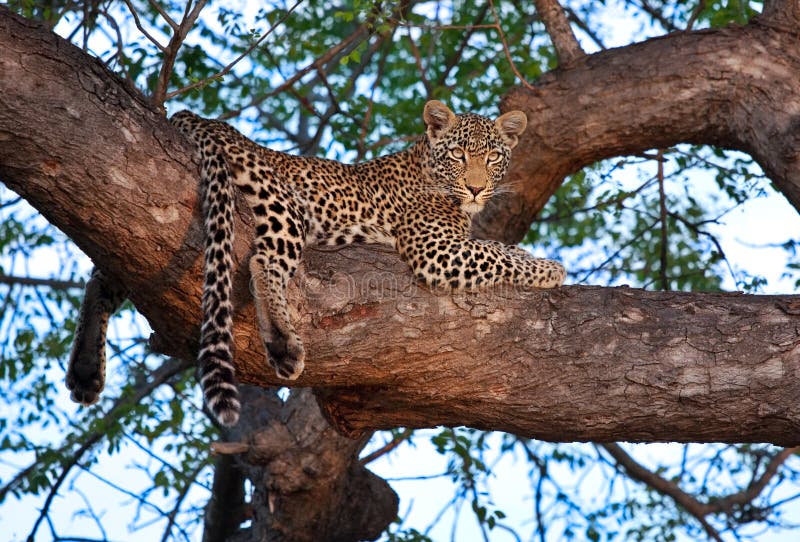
138	497
618	201
663	486
348	91
688	502
169	369
10	203
16	480
90	509
342	47
55	284
725	504
701	5
382	142
616	253
662	199
658	16
120	54
542	466
695	227
149	452
474	492
388	447
171	52
66	468
179	501
507	51
367	117
420	68
430	27
580	23
141	29
455	58
164	15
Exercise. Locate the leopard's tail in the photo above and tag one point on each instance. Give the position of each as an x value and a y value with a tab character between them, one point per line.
215	361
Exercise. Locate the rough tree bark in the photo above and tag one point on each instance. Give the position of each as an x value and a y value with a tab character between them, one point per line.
575	363
309	485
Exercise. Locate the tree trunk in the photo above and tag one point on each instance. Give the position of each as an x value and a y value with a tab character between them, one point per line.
308	484
111	173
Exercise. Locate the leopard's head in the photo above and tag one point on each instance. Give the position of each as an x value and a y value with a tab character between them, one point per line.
469	153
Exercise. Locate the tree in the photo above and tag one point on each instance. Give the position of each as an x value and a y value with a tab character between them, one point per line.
601	363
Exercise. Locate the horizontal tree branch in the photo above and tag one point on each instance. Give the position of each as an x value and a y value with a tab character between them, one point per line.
576	363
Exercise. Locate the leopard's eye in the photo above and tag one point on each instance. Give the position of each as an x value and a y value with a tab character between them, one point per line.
493	156
457	153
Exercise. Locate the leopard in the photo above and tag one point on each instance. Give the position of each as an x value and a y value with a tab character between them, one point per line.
421	201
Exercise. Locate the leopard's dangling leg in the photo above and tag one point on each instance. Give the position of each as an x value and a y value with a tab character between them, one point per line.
86	371
279	246
284	348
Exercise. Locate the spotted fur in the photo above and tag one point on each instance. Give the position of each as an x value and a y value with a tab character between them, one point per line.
420	201
86	369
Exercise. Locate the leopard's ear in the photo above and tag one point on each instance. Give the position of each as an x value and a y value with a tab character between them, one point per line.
438	118
511	125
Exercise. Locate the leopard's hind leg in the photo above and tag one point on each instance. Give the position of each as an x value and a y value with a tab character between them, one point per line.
86	370
280	233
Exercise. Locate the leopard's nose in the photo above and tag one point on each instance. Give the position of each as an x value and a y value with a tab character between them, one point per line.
475	189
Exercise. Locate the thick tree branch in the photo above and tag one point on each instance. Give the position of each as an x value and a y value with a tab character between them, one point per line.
225	510
733	87
570	364
577	363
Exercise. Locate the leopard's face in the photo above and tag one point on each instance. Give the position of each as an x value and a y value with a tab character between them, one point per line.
469	154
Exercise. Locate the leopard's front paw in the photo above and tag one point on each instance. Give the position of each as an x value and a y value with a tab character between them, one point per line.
287	355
